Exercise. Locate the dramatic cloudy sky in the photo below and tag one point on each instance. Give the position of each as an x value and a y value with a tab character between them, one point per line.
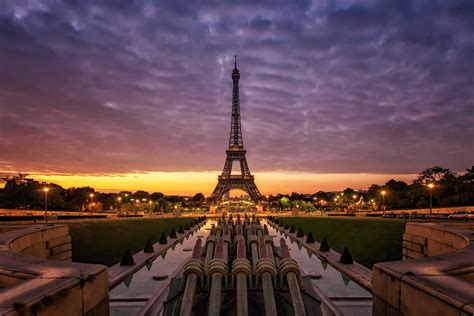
342	86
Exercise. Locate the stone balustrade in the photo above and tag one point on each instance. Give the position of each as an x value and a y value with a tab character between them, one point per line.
436	276
32	285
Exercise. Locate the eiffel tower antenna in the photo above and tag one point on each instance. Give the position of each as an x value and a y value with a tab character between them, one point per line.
236	152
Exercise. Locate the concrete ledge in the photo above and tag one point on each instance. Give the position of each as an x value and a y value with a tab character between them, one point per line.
439	283
33	285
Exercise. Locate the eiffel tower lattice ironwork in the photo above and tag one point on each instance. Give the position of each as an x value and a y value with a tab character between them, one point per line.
236	152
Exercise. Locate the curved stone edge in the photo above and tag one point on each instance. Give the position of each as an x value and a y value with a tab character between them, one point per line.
357	272
34	285
441	281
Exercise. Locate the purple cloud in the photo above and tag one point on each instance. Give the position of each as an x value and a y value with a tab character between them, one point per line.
332	86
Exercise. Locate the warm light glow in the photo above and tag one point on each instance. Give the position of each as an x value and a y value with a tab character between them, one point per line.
189	183
431	185
354	196
91	195
383	192
119	199
46	190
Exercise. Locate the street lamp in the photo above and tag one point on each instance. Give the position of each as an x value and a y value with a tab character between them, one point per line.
383	199
92	202
45	190
119	199
430	187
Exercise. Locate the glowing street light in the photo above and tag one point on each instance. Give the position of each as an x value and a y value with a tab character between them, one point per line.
430	187
45	190
383	199
92	202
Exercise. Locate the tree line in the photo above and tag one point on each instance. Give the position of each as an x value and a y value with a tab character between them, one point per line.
449	189
21	192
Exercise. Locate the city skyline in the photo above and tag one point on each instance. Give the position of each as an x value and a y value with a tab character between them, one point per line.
335	94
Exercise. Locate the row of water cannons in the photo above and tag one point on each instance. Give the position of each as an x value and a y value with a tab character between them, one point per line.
127	258
345	258
236	257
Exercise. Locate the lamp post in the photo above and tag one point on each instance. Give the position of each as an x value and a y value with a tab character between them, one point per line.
119	199
430	187
45	190
92	199
383	199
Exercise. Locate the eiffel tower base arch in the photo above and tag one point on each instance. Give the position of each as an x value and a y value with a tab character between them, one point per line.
226	184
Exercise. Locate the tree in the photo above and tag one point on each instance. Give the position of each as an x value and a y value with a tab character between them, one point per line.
434	174
198	199
156	195
284	202
140	195
321	195
77	198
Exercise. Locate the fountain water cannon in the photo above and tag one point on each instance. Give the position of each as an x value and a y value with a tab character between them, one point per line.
193	270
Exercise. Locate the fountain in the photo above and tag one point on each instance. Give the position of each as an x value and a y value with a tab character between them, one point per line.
240	271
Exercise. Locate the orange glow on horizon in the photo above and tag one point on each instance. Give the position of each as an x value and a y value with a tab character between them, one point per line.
189	183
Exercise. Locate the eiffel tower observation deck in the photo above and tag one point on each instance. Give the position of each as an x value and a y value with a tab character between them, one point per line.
236	152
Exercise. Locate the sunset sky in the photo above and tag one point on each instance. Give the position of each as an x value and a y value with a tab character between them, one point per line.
137	94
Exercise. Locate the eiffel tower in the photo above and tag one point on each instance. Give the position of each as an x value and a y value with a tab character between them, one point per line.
236	152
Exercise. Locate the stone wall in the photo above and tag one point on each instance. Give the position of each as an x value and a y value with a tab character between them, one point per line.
41	241
420	240
33	285
436	276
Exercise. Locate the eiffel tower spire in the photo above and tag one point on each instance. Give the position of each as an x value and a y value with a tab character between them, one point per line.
235	152
235	140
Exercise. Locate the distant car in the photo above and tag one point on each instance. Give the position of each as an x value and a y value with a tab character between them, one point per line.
403	215
416	215
465	215
437	216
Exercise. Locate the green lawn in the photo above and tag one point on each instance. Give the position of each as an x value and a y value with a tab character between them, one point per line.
105	242
369	240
